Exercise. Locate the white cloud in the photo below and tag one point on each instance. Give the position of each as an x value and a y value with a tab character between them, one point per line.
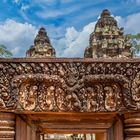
138	1
65	1
25	7
54	13
133	2
45	2
46	13
62	10
130	23
74	42
16	1
17	36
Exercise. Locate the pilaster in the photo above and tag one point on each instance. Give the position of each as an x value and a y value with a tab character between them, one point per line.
7	126
132	126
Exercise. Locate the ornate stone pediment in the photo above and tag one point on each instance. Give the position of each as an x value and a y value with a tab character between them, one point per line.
70	85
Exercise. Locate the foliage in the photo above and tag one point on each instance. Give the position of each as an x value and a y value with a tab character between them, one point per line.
4	52
135	42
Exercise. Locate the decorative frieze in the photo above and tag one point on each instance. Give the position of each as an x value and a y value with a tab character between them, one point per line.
66	86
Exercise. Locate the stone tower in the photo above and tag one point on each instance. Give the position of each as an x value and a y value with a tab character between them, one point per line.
108	39
42	47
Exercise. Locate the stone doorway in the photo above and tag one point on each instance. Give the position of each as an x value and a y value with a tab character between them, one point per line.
77	126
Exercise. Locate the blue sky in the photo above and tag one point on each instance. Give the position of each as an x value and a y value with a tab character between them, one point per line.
68	22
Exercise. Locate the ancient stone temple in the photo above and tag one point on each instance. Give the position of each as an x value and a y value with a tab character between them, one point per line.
42	46
108	39
94	98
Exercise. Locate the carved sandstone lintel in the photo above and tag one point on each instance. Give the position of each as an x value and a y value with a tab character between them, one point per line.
71	85
91	93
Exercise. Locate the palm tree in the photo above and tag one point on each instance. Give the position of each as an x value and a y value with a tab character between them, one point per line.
4	52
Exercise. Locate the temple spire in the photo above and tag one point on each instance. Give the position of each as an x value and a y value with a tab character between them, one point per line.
108	39
42	47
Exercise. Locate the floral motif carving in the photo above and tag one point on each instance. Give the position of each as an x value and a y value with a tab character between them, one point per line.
36	91
136	90
69	86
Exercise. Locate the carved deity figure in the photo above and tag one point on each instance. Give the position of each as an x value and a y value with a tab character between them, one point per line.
73	102
46	96
92	104
110	99
27	96
60	99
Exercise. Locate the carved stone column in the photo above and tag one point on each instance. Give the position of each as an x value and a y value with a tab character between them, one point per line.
7	126
132	126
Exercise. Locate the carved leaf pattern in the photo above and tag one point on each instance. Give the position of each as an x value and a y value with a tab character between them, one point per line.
70	86
136	90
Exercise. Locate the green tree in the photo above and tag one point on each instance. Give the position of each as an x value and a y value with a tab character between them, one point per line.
135	42
4	52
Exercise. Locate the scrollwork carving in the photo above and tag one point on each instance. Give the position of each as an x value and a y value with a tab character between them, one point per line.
36	91
136	90
69	86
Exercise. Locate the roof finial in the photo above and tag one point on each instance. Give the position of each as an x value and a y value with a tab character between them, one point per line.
105	12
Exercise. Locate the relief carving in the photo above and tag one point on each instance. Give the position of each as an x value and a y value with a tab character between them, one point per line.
27	96
91	100
111	97
136	90
69	86
73	102
60	99
36	92
46	98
